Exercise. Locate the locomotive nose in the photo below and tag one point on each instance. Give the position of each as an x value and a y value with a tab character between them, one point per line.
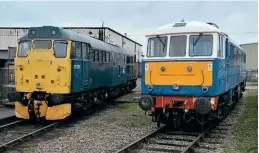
202	105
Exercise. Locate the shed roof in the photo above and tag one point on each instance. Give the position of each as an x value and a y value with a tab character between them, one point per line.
249	43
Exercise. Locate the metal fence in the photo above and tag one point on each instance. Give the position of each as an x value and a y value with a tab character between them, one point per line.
7	82
252	75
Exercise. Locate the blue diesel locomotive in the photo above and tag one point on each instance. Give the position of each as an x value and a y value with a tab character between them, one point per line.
57	70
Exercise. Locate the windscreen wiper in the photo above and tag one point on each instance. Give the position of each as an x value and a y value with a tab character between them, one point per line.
161	42
196	41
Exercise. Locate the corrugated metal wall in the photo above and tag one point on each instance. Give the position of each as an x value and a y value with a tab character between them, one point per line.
8	37
11	52
3	54
251	51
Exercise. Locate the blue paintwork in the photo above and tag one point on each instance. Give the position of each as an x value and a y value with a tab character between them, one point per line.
226	75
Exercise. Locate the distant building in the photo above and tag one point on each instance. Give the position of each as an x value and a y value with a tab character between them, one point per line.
251	50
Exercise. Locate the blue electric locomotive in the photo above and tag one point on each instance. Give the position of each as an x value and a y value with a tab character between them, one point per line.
191	71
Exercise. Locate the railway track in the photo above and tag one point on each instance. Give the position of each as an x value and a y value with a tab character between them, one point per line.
16	132
185	140
180	141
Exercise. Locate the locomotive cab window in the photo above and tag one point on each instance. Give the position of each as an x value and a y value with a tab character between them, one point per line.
177	46
200	45
78	50
157	47
60	48
42	44
24	46
73	50
220	50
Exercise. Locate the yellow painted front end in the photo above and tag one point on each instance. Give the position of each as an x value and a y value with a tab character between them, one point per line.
56	112
41	71
185	73
53	74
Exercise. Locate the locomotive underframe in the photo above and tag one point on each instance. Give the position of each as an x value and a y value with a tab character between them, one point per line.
78	102
178	117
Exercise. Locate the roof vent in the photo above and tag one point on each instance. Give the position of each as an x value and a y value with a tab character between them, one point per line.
180	24
213	24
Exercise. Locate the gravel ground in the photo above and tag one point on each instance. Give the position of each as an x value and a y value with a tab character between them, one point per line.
107	131
104	131
230	120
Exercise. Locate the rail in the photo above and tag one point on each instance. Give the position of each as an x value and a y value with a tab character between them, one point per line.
141	140
25	137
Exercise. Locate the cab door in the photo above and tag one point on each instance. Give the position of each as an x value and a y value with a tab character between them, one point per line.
85	65
77	69
227	63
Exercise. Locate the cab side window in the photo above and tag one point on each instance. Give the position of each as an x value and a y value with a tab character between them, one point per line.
220	50
78	50
73	50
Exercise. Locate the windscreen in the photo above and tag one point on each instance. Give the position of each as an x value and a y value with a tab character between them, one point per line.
177	46
42	44
60	48
24	46
201	45
157	47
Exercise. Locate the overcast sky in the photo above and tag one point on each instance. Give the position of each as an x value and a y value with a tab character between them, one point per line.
134	18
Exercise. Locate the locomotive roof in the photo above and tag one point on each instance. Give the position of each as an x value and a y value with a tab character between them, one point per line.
70	35
188	27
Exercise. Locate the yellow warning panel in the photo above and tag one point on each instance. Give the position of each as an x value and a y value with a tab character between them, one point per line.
21	111
180	73
58	112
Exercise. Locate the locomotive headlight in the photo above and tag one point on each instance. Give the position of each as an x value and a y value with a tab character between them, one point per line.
204	89
38	85
33	32
175	86
189	69
53	32
150	88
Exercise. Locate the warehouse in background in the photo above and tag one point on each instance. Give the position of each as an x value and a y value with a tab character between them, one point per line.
6	71
8	44
251	50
